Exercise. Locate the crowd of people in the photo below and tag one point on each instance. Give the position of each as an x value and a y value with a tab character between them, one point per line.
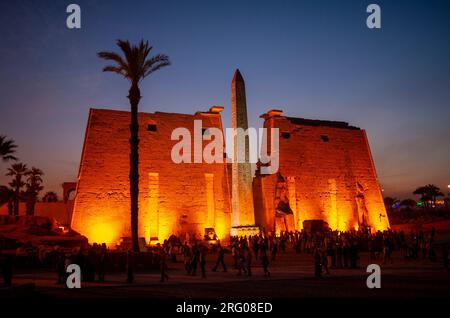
327	249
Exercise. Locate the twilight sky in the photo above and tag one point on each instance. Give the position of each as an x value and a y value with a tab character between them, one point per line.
313	59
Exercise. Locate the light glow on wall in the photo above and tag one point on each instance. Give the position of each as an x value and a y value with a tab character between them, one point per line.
103	232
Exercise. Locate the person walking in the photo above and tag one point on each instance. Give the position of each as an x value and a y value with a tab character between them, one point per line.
203	252
324	256
235	253
195	259
130	267
163	265
317	263
248	261
102	259
187	253
265	262
220	258
60	267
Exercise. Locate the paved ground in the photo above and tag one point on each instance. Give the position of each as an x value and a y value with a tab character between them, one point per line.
292	276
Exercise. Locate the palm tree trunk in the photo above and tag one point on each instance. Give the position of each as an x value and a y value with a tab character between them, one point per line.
16	203
31	202
134	97
10	208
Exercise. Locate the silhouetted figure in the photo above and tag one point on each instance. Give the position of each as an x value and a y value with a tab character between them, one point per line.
163	266
248	261
354	256
187	253
91	263
274	249
241	261
130	267
60	267
220	259
195	259
339	255
102	260
235	253
10	208
325	259
317	264
256	247
346	254
265	262
203	261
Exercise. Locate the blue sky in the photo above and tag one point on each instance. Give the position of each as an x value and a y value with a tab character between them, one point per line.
313	59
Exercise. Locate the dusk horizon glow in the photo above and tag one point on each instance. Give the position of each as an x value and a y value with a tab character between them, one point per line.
310	60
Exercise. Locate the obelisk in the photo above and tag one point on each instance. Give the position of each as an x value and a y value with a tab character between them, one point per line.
243	216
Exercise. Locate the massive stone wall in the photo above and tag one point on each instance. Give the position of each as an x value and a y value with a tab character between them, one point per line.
326	173
174	198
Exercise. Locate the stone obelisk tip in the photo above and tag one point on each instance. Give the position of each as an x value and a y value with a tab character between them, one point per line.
238	76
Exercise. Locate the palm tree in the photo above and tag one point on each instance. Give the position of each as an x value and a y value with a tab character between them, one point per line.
17	171
428	194
34	186
50	196
134	66
7	149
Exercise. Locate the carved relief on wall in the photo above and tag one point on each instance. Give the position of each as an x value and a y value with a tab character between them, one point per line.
361	205
283	213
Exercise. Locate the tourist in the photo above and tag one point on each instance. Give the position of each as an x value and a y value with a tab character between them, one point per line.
331	259
387	251
130	266
248	261
60	267
235	253
163	265
339	255
324	260
317	263
241	262
265	262
353	253
220	258
203	252
91	263
173	255
195	259
102	260
274	249
283	244
187	254
255	245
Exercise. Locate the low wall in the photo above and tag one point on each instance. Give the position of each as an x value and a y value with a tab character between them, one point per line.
60	211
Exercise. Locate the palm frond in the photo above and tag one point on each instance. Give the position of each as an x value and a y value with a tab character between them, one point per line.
134	65
155	63
7	148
